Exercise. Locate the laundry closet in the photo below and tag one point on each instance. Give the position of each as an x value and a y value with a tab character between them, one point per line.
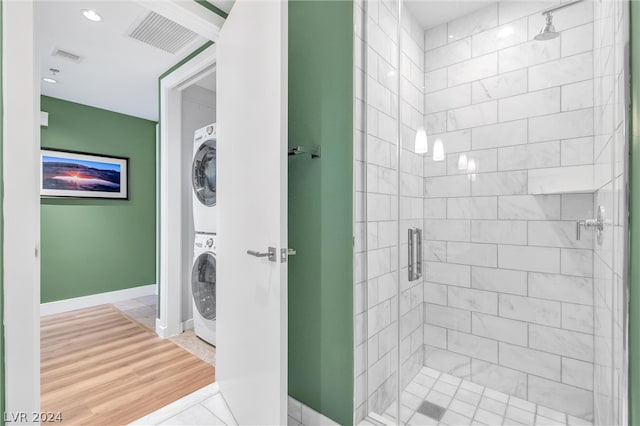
199	207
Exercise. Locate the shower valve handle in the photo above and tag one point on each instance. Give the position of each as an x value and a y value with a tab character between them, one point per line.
595	224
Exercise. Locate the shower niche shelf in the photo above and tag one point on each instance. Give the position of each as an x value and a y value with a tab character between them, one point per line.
561	180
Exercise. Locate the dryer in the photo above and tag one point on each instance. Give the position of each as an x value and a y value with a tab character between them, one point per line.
203	178
203	287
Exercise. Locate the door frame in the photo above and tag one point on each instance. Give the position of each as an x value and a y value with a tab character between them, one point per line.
21	206
171	269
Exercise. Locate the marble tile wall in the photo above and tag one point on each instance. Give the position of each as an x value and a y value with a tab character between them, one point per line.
610	150
508	292
389	194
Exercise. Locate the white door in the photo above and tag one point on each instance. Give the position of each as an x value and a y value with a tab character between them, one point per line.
251	365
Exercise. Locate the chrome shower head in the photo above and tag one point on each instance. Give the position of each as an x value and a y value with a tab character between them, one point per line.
547	32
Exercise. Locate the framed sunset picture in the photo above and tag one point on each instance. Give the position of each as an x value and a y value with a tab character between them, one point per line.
82	175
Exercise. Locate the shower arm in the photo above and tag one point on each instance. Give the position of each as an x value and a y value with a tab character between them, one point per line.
562	6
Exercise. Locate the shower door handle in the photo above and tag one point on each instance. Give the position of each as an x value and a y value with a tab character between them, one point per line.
414	253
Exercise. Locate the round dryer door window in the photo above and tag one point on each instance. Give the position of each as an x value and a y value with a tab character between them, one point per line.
203	285
203	173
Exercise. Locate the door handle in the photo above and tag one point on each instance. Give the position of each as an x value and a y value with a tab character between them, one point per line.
415	256
270	254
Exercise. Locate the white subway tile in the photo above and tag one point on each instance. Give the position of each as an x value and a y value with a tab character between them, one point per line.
446	55
577	95
447	273
472	254
531	104
577	206
500	183
503	134
562	342
473	300
435	336
565	125
530	361
472	116
577	373
502	329
577	40
473	69
557	234
524	258
458	141
529	309
563	71
473	346
530	156
509	11
447	99
499	231
436	123
577	317
499	280
532	207
561	288
379	97
568	399
577	262
435	80
450	318
473	23
484	161
436	208
447	186
446	230
528	54
498	379
578	151
435	37
472	208
557	180
435	293
500	86
500	37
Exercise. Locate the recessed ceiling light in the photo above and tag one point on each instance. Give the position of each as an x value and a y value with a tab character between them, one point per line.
49	80
91	15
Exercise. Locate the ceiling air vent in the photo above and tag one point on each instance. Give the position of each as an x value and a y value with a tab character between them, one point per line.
66	55
162	33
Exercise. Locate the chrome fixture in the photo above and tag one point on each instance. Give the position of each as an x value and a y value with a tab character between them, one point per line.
548	31
415	256
270	254
298	150
596	224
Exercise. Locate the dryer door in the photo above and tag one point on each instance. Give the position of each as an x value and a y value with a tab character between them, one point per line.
203	173
203	285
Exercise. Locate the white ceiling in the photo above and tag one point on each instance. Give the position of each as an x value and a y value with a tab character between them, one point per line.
116	72
431	13
208	82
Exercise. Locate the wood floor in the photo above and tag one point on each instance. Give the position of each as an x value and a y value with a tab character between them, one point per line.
100	367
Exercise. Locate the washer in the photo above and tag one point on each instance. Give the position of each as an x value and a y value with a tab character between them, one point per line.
203	178
203	287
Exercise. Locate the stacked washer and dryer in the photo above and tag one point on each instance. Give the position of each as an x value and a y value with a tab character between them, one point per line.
203	272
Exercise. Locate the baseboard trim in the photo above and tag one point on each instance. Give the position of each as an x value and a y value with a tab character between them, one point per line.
187	325
96	299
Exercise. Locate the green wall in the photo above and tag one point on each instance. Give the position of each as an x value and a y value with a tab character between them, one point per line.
634	223
321	207
96	246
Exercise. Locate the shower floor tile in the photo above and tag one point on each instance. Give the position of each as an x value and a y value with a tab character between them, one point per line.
451	401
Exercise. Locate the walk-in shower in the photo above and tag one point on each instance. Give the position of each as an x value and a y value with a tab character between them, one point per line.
490	281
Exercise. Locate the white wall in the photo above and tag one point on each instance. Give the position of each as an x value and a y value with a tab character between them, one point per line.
198	110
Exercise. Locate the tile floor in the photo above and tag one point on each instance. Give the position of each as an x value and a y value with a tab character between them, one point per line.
435	398
143	310
203	407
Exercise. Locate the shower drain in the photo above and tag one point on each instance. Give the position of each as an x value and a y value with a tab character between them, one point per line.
431	410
